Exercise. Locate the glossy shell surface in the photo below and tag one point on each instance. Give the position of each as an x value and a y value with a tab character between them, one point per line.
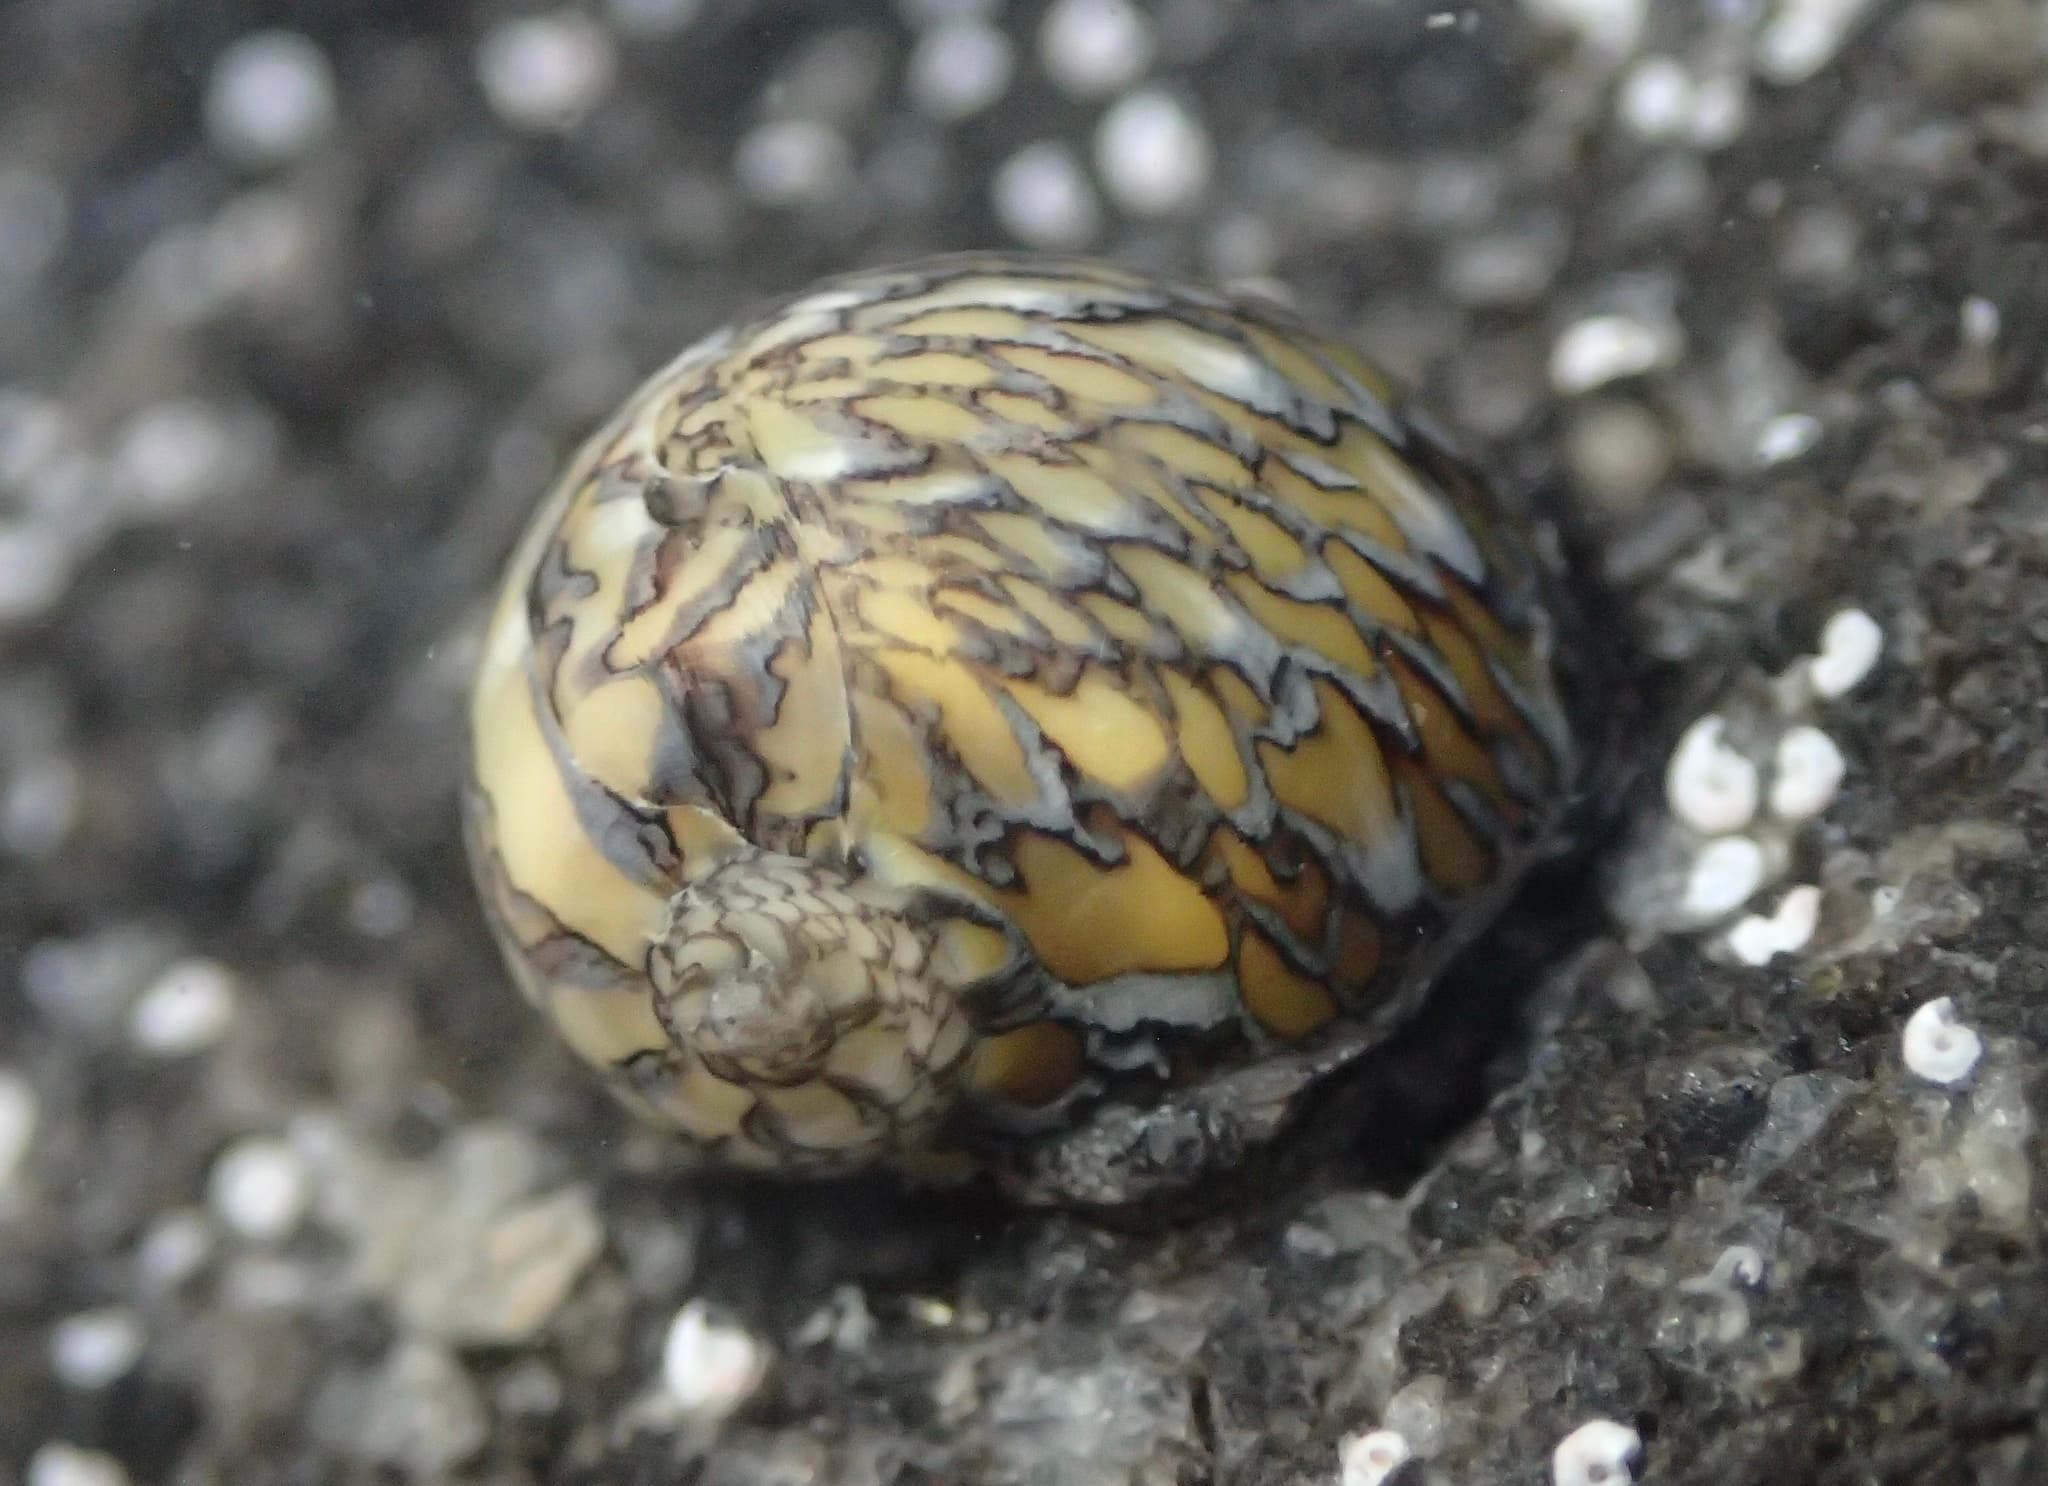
980	696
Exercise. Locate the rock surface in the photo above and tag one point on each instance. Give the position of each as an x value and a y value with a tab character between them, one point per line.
293	327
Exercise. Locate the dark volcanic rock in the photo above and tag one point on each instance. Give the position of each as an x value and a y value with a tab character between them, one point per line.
293	328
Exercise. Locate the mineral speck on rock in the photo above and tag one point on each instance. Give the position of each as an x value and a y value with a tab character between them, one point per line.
468	1247
1094	47
710	1367
270	98
1787	436
1607	348
1084	1423
18	1111
173	1250
546	72
653	19
259	1189
60	1464
960	68
524	1264
1154	156
418	1411
93	1349
793	162
1043	198
185	1010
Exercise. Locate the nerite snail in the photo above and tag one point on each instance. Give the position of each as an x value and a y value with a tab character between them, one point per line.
1002	704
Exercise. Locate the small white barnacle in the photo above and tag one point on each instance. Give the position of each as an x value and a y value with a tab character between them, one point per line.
1757	939
1806	772
1850	644
1368	1458
1598	1453
1710	785
1938	1045
710	1367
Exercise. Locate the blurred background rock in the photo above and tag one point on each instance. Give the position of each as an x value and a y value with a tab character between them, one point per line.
301	304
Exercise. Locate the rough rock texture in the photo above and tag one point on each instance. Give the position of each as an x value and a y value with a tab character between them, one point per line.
292	331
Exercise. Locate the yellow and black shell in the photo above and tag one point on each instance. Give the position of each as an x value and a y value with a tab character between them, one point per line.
999	699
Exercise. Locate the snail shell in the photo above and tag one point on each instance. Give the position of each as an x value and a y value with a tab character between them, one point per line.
999	699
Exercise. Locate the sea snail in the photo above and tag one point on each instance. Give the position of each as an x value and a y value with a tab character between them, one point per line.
1005	711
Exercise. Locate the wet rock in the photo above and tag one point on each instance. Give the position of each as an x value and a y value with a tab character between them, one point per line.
464	1247
294	327
418	1412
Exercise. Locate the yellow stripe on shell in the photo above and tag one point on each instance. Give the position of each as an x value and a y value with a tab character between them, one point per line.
1061	621
1273	550
1024	411
937	369
1032	1065
1336	776
1338	510
1090	922
1180	450
1088	380
970	722
963	324
892	790
540	839
1051	554
1003	619
1456	860
1368	588
1302	903
1087	922
1104	734
923	418
1282	1000
611	730
1321	628
805	747
1070	494
1128	626
655	629
1183	597
1452	752
605	1025
1206	743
